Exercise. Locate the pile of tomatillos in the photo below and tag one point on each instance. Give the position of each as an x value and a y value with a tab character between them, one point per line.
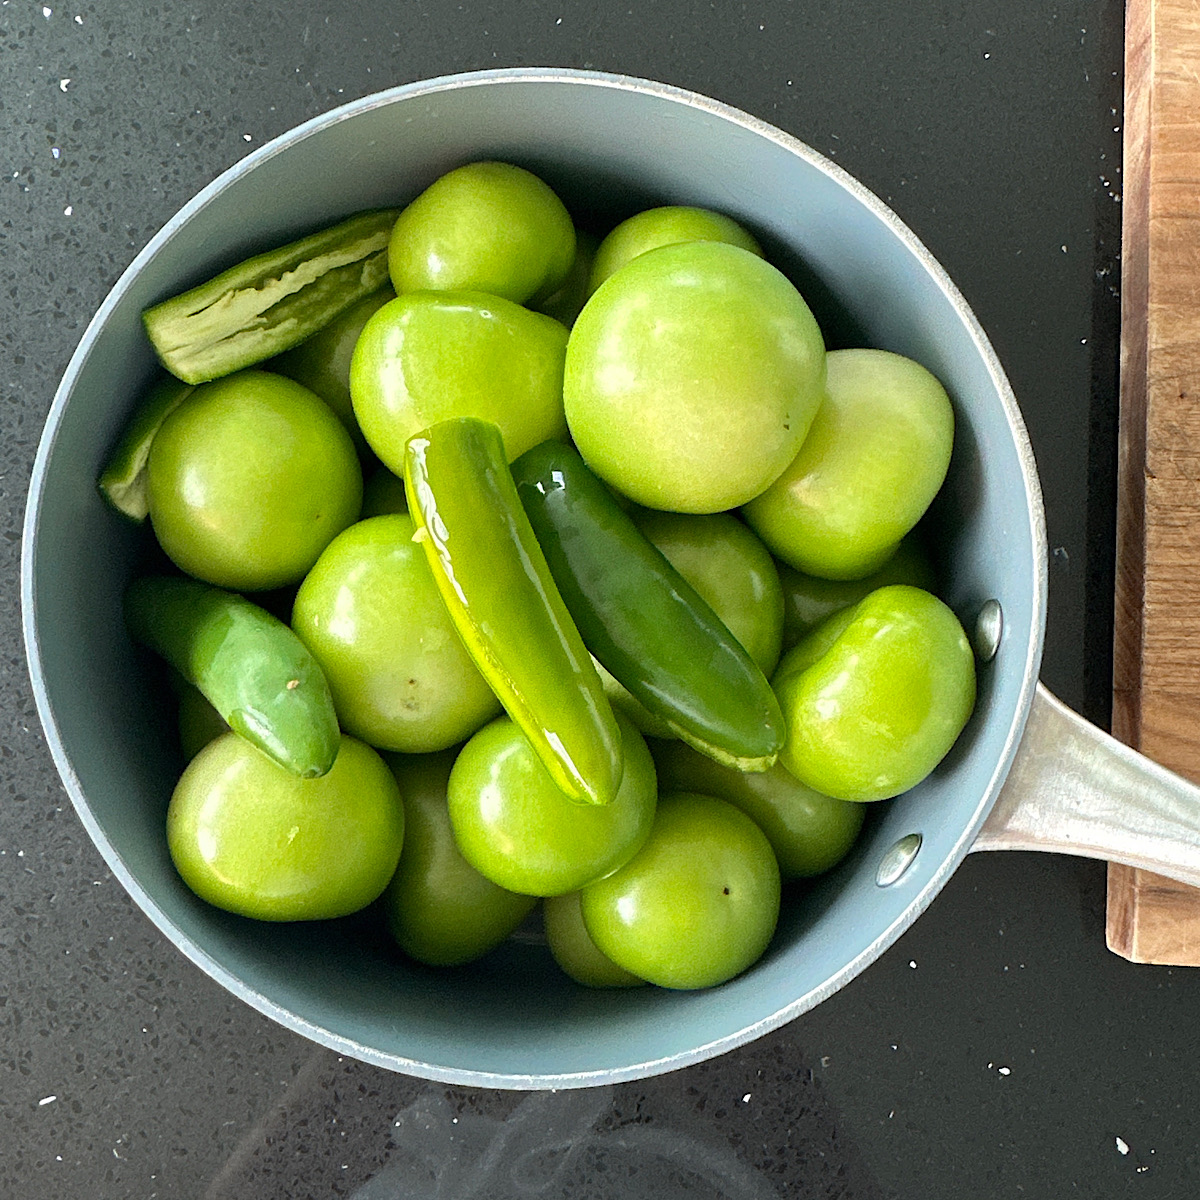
629	617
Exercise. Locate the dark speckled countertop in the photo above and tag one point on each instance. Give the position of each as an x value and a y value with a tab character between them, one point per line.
998	1050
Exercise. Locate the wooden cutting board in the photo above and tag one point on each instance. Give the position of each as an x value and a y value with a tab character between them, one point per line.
1156	654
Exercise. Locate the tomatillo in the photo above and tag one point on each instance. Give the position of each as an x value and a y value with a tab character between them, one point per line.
369	612
697	904
426	357
251	837
517	828
249	479
874	459
692	376
439	909
876	695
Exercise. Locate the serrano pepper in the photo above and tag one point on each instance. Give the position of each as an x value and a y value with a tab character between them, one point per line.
502	599
248	664
643	621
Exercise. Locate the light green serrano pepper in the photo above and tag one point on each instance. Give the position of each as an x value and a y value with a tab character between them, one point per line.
271	302
503	601
249	665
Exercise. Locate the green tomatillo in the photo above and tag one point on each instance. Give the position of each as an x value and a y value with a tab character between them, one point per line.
249	479
692	376
516	827
573	949
370	613
426	357
665	226
439	909
488	227
255	839
697	904
876	695
874	459
810	833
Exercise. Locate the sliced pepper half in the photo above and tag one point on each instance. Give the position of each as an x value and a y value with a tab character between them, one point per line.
270	302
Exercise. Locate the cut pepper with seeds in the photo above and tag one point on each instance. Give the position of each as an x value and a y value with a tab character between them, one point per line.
270	302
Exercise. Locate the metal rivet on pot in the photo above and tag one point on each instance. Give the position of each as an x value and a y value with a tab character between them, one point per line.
898	859
989	625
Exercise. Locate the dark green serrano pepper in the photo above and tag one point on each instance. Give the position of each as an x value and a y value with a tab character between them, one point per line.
642	619
251	667
271	302
502	599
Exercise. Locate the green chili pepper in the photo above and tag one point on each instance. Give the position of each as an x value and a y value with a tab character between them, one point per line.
642	620
123	482
502	599
271	302
249	665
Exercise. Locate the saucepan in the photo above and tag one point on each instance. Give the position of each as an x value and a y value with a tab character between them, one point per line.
1027	773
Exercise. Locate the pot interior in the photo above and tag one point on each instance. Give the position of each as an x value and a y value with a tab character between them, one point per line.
609	146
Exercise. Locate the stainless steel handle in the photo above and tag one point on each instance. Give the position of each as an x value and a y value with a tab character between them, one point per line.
1073	789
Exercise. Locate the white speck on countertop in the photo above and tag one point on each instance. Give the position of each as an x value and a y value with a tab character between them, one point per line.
1122	1146
55	152
912	962
1004	1070
46	12
68	210
746	1098
63	84
247	137
78	20
46	1100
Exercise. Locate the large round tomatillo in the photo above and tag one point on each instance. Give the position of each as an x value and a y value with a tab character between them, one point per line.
661	404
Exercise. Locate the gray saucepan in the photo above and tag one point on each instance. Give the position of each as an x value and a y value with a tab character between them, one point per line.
1026	774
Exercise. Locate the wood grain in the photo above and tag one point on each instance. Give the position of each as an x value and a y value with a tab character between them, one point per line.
1156	650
